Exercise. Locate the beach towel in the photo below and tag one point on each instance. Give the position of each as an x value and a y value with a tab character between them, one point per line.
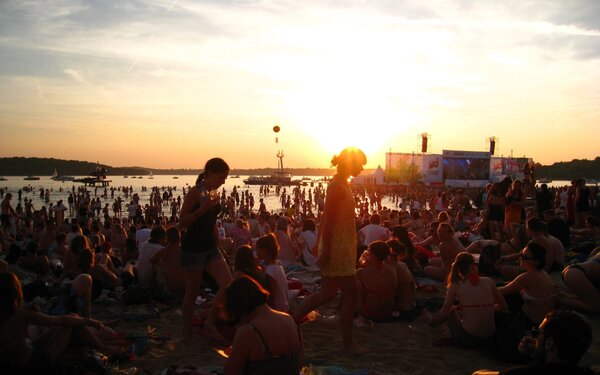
428	285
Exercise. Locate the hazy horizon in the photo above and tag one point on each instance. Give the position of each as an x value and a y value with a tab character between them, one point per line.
172	83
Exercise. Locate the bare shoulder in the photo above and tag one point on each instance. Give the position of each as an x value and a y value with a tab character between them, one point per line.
243	332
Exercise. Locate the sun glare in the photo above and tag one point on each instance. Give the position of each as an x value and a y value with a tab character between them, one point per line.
341	114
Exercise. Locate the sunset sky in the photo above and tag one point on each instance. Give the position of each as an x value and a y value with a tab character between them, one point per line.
169	84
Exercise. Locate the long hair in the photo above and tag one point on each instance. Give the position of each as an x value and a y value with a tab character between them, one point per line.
11	295
460	268
79	243
214	165
246	262
380	250
401	233
242	296
269	243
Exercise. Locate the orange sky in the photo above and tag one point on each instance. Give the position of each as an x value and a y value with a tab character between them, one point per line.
169	84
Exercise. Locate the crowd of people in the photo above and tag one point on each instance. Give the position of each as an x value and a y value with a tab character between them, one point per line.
497	250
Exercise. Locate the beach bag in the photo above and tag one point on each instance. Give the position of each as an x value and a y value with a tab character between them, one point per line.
487	260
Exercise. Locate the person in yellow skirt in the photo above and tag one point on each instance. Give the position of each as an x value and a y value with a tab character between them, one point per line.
336	246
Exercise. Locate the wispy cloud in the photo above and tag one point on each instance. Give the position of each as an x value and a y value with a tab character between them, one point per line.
75	75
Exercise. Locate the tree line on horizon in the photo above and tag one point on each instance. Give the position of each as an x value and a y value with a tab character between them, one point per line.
22	166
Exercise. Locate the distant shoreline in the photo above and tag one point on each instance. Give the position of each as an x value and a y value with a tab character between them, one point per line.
22	166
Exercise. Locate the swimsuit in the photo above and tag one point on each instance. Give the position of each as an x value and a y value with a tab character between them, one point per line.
596	283
281	364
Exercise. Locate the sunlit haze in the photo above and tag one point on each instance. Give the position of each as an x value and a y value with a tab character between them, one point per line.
169	84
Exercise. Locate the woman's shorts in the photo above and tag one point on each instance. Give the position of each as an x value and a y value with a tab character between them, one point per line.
198	261
496	212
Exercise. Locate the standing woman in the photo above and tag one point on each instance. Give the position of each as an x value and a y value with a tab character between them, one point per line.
201	248
336	245
515	209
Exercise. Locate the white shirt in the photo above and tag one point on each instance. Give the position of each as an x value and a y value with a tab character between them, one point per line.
563	199
145	269
373	232
279	301
142	235
307	240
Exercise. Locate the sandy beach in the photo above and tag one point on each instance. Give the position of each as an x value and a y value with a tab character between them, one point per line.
397	347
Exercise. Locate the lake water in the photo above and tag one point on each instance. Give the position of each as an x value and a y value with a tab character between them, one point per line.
61	190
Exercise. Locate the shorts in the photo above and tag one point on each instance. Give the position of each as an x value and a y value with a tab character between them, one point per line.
496	212
198	261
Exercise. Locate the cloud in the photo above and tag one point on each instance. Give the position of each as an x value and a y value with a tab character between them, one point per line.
75	75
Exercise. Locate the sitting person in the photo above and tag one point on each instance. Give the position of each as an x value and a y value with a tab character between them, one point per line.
40	264
405	298
562	340
102	277
58	249
307	240
531	296
71	258
41	355
555	251
450	246
429	247
512	246
168	261
267	250
289	252
146	270
245	264
104	256
471	322
377	283
583	279
494	253
415	258
266	341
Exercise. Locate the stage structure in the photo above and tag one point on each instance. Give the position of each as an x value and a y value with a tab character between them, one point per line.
452	168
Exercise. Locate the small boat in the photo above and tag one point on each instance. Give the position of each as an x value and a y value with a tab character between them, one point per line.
544	181
57	177
151	176
31	178
125	176
2	178
235	176
277	178
175	177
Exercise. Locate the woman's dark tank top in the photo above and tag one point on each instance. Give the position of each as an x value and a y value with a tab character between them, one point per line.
200	235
